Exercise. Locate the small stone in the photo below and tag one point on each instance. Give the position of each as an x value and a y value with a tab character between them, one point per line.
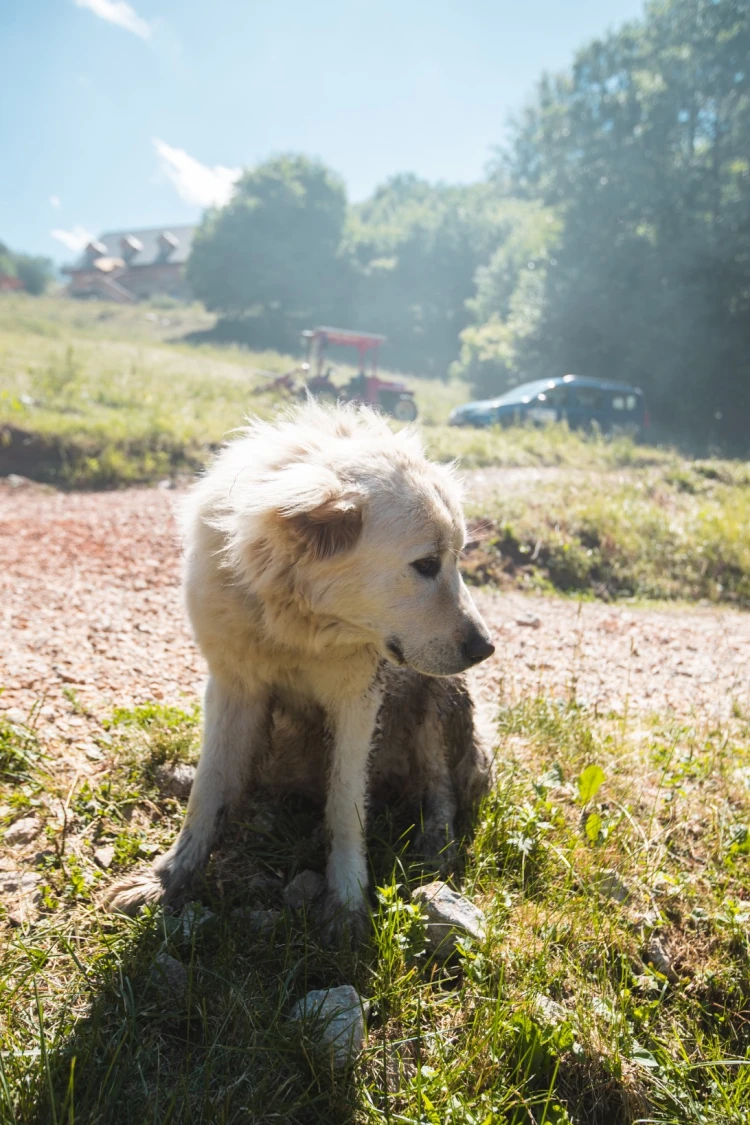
339	1018
260	921
176	779
529	622
450	916
193	917
549	1011
16	716
170	973
656	955
610	885
21	831
304	889
104	856
66	675
261	883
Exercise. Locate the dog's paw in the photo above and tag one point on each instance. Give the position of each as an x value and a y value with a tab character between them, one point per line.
133	892
344	924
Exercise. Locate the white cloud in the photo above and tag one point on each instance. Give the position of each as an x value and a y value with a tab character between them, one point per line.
54	201
76	239
196	183
119	13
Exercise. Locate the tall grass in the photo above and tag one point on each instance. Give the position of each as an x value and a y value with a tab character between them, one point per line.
669	532
611	860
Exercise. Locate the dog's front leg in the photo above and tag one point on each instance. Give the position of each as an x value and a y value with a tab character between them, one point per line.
235	723
353	722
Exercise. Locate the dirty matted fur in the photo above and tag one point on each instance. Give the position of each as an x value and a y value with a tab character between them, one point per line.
322	584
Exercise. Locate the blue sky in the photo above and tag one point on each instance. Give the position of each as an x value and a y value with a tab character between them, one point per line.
136	114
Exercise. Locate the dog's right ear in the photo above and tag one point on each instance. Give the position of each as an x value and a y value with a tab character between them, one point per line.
330	529
322	512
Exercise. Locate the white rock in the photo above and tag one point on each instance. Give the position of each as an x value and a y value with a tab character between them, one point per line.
304	889
450	915
339	1018
176	779
610	885
16	715
21	831
104	856
549	1011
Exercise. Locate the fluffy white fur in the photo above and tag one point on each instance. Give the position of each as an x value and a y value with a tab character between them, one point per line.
300	582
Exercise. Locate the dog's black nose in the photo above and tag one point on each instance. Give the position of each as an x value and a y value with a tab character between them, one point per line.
477	648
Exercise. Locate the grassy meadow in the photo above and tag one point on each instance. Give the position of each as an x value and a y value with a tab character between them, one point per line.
613	985
612	858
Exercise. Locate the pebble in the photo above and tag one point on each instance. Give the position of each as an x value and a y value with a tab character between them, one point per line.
549	1011
610	885
450	916
304	890
170	973
21	831
16	715
176	779
339	1018
656	955
104	856
260	921
193	917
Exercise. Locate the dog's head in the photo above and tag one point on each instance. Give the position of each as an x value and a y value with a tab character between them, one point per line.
375	531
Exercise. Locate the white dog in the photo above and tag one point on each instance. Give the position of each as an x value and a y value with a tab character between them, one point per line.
322	557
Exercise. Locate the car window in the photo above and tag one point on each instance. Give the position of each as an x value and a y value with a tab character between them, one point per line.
555	396
591	398
626	403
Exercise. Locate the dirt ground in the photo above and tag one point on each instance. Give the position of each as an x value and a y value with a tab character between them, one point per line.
92	619
91	610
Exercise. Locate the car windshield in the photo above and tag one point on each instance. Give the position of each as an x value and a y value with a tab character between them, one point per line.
526	391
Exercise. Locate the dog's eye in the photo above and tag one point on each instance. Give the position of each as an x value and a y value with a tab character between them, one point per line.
428	568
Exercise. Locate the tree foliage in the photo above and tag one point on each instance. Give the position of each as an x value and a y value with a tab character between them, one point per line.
415	248
271	256
35	273
611	239
643	149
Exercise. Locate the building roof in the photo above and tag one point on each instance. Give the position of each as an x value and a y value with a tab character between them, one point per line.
152	241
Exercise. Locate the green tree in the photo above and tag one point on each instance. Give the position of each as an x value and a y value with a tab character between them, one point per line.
35	273
270	258
643	150
415	248
509	301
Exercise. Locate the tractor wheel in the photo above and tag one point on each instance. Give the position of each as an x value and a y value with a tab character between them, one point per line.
327	394
405	409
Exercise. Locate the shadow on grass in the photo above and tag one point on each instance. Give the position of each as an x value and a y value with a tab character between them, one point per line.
188	1023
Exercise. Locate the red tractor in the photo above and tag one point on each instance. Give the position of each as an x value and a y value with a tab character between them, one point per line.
367	386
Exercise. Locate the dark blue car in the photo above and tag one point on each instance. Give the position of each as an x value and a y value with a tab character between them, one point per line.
575	399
